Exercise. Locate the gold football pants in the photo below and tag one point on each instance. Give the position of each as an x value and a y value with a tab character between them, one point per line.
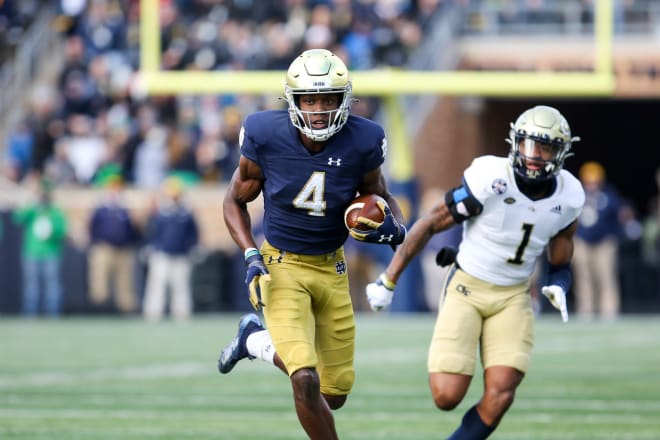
309	315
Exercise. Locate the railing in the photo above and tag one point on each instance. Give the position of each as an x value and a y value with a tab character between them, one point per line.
18	74
558	17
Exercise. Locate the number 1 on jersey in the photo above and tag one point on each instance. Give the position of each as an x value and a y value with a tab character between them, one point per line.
312	196
527	232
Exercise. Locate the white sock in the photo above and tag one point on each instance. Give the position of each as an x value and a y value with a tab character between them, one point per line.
260	345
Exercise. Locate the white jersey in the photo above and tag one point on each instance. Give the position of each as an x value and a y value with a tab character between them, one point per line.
501	244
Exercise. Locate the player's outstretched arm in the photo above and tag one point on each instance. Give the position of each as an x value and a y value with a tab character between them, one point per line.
380	292
560	252
436	220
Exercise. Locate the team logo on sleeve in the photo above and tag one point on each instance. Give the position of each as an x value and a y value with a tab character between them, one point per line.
498	186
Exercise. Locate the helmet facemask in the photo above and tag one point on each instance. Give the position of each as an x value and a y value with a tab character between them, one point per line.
318	71
540	142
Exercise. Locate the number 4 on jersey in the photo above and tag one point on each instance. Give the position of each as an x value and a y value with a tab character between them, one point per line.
312	196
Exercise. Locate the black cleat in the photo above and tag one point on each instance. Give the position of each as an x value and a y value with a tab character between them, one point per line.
236	350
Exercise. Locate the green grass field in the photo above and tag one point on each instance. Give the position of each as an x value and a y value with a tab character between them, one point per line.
112	378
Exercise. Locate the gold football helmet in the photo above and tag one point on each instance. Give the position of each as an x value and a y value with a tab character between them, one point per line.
544	125
318	71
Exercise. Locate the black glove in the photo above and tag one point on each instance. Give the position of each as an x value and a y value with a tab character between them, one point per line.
446	256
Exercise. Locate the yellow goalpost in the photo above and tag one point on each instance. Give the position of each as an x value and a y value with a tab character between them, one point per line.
388	83
599	82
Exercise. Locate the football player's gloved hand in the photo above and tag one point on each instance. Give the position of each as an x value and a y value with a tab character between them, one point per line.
379	293
557	298
389	231
257	277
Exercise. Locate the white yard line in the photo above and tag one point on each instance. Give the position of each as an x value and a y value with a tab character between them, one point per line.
126	373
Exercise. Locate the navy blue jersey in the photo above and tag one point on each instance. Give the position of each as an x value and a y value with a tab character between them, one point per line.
305	193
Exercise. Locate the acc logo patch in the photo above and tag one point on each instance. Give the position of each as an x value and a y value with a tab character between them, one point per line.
498	186
509	200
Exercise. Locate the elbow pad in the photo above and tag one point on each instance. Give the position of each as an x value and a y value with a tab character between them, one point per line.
462	204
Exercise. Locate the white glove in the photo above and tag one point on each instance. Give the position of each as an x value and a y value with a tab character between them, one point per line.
557	298
379	293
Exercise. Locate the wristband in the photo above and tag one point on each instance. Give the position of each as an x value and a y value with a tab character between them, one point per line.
560	275
249	252
386	281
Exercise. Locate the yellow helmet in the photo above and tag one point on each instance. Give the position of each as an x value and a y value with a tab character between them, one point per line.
546	125
318	71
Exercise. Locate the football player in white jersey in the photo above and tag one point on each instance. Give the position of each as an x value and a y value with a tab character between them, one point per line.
511	210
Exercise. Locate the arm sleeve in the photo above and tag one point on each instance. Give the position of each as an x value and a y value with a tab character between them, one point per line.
462	203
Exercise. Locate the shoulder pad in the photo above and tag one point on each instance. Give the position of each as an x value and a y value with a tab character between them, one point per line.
572	187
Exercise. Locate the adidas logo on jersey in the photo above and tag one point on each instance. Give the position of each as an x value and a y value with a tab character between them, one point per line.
556	209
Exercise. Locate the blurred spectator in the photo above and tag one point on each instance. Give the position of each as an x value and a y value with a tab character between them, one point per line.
19	152
44	232
45	125
146	118
172	236
631	271
651	237
595	259
74	60
151	158
180	152
113	242
84	148
218	151
81	95
58	168
103	27
15	19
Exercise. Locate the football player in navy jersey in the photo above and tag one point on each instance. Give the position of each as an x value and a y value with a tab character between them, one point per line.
309	163
511	210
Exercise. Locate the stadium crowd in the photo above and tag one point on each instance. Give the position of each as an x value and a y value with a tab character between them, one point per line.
90	121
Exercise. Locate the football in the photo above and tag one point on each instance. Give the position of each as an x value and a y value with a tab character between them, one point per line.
363	206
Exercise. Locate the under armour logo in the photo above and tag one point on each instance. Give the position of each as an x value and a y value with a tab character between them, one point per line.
386	238
462	289
277	260
336	162
340	267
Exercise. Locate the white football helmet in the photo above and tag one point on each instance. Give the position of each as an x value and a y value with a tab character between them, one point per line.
318	71
545	125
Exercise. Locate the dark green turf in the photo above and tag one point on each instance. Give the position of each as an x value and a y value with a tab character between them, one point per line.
113	378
